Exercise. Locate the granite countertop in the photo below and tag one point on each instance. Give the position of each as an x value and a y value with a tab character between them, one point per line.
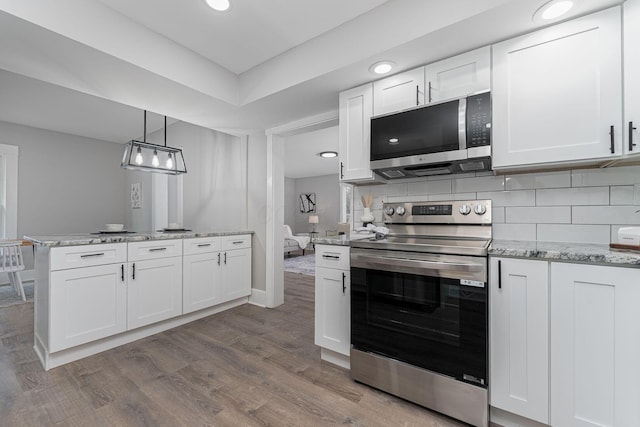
93	239
573	252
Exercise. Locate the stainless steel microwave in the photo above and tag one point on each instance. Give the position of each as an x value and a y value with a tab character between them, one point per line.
447	137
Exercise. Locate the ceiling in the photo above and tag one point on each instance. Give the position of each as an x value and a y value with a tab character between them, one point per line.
88	67
301	159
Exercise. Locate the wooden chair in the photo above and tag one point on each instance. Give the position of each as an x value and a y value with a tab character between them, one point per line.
11	262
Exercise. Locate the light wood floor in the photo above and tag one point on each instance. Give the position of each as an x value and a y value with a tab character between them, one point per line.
244	367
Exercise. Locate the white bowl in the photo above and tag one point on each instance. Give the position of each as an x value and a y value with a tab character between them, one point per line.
114	227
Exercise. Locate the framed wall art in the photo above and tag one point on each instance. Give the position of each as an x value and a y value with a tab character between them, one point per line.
308	203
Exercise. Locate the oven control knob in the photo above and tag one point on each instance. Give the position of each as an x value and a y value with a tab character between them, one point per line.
465	209
389	211
400	210
480	209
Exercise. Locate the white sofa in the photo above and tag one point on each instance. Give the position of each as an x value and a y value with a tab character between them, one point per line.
293	242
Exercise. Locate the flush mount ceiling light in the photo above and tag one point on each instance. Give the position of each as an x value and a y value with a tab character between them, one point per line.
153	157
382	67
328	154
552	10
219	5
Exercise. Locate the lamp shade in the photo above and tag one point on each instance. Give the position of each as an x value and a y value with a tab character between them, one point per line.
313	219
144	156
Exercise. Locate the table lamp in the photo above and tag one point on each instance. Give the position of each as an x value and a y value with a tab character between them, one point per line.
313	219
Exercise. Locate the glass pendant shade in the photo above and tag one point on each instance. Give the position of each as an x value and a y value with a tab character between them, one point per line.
147	157
143	156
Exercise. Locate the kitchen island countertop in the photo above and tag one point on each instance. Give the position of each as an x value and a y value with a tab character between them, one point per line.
93	239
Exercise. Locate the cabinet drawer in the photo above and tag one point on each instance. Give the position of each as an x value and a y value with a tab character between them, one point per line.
236	242
201	245
63	258
154	249
332	256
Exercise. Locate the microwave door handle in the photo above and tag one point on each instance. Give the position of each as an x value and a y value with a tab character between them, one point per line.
462	124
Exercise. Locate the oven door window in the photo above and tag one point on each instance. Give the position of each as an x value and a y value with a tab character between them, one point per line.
431	322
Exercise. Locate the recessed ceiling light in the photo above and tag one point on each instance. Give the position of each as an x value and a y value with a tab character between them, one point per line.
219	5
382	67
328	154
552	10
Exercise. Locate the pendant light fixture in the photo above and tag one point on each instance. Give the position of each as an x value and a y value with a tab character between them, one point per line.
144	156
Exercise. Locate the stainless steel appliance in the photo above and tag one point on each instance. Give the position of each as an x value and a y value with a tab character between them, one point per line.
440	138
419	307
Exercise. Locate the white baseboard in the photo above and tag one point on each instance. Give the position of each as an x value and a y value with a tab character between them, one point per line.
258	297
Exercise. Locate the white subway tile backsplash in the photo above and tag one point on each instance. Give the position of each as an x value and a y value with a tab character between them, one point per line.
457	176
574	233
609	176
622	195
455	196
605	215
510	198
429	187
532	181
573	196
497	215
539	215
514	232
475	184
636	194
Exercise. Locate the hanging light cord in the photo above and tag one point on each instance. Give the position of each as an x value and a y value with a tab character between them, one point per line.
144	136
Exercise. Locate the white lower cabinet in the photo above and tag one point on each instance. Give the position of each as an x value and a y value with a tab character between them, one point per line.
201	274
332	302
235	278
87	304
519	337
154	291
595	345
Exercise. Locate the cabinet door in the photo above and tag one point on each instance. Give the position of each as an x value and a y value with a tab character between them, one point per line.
557	93
236	274
458	76
201	286
333	311
356	109
595	345
154	291
395	93
631	132
519	334
87	304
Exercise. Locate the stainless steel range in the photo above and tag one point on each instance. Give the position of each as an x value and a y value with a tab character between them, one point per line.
419	307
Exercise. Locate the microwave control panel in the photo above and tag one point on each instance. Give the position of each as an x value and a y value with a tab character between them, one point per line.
479	120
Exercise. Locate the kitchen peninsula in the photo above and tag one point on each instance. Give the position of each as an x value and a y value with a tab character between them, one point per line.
96	292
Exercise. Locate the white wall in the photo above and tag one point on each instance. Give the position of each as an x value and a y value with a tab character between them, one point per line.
586	205
327	190
66	183
290	203
257	206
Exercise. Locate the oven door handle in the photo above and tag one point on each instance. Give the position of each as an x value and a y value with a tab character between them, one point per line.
384	262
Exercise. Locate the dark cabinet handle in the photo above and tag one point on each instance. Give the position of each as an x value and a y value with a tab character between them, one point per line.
204	245
417	94
613	147
499	274
218	258
331	256
237	242
341	170
92	255
631	129
122	272
225	258
157	249
429	92
133	271
344	287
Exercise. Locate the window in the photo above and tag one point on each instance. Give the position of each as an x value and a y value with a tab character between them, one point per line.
8	191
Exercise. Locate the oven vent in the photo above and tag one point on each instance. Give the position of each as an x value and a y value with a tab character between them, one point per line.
394	174
473	166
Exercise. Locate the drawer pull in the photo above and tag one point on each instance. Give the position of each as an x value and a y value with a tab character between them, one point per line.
157	249
237	242
133	271
204	245
92	255
331	256
218	258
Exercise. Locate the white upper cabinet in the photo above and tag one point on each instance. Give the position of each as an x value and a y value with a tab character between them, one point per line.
631	76
356	109
399	92
458	76
557	93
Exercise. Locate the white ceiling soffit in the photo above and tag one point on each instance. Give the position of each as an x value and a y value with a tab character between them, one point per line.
301	158
88	47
